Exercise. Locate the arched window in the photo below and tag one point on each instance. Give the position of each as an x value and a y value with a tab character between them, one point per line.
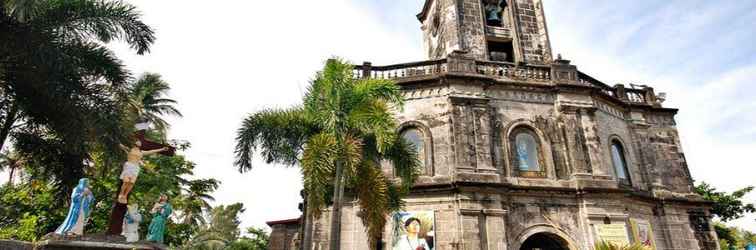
421	141
415	136
526	153
620	165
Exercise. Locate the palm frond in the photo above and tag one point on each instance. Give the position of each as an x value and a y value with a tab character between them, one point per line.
374	119
369	90
606	245
404	158
351	156
279	135
317	164
102	20
373	196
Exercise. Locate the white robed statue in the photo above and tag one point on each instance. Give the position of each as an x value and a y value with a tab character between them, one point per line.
131	223
81	204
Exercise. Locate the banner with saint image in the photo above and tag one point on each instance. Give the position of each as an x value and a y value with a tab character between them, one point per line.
413	230
642	233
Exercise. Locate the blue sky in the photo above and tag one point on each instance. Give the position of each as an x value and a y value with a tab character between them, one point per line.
227	59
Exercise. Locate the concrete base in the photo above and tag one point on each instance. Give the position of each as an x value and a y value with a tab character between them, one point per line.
90	242
93	245
15	245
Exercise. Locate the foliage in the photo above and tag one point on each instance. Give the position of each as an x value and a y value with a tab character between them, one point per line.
732	237
258	239
12	162
196	200
605	245
147	101
338	137
220	230
38	199
28	211
61	88
726	206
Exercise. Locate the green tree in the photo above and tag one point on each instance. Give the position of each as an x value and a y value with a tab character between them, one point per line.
221	229
61	87
726	206
733	237
147	100
605	245
197	199
28	211
338	137
258	239
11	161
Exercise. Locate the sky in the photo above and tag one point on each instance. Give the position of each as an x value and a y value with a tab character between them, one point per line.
226	59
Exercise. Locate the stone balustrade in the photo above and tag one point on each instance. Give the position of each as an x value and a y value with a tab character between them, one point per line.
537	74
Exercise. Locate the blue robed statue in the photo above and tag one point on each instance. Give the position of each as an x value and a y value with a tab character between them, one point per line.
81	204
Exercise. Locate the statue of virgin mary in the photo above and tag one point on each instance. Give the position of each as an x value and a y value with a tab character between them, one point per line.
81	203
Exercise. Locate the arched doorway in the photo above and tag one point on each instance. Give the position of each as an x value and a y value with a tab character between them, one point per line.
544	241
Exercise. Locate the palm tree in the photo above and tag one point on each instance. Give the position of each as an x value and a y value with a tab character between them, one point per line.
197	199
605	245
146	100
338	137
58	73
221	228
12	161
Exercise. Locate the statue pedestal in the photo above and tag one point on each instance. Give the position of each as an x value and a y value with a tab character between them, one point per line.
94	245
15	245
94	242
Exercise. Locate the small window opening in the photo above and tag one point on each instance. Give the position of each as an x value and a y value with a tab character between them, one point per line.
494	12
501	51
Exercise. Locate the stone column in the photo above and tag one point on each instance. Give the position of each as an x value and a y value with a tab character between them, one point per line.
471	122
572	129
593	146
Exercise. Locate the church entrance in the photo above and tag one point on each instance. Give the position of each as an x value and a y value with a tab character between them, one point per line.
544	241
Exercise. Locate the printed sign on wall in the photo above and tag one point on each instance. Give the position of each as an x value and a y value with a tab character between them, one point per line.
642	233
615	233
413	230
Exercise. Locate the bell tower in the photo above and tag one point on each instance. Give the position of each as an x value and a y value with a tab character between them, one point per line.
497	30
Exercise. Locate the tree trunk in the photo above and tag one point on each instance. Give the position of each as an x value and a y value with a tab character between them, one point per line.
338	196
10	177
10	119
307	232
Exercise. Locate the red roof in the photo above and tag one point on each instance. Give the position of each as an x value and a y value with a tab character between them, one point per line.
283	222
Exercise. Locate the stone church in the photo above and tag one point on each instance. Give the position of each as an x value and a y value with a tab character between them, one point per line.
522	150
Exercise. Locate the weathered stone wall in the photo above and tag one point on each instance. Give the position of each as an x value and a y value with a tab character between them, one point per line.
481	199
284	237
440	32
532	31
451	25
427	110
611	125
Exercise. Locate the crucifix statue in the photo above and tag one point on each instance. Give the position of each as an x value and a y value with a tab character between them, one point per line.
131	168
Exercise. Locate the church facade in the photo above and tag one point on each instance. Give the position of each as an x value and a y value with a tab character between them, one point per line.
522	150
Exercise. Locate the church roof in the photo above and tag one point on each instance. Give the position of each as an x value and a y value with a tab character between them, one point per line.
424	12
283	222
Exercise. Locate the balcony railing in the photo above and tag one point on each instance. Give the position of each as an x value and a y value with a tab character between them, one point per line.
413	69
498	70
512	71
